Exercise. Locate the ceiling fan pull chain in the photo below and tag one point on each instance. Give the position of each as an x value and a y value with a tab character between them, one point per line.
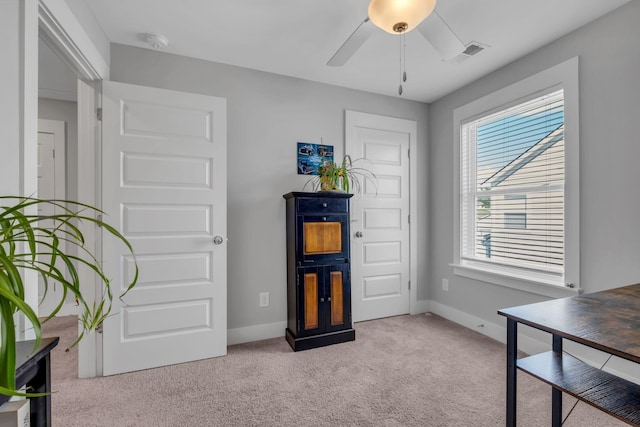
401	62
404	57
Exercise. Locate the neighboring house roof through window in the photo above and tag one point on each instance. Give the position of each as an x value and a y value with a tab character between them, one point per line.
526	157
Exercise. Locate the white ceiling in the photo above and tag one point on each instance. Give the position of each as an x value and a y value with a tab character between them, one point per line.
297	37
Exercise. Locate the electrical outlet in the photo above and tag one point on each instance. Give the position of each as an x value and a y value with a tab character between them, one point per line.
264	299
445	284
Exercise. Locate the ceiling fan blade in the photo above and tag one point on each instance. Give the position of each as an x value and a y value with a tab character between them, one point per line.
353	43
441	37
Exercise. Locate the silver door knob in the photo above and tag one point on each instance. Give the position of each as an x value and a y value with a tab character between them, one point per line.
218	240
358	234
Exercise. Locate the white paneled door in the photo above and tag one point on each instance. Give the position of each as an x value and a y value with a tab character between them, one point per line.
380	224
51	185
164	187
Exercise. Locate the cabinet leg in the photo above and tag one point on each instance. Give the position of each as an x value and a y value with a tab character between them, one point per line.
512	356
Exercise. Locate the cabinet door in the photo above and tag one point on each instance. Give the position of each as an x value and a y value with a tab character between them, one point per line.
337	300
323	239
324	299
310	287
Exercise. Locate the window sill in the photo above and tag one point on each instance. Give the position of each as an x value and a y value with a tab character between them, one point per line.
515	280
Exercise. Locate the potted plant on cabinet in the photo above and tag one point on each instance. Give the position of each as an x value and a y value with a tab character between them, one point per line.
342	177
25	243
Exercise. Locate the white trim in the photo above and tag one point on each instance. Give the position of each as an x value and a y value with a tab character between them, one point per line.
65	36
62	32
420	306
619	367
23	76
89	358
563	75
414	306
492	330
60	95
29	102
277	329
538	285
526	344
386	122
256	333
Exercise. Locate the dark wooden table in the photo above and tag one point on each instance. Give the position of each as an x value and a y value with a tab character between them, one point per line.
608	321
33	369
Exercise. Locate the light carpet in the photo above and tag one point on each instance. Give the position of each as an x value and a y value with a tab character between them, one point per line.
419	370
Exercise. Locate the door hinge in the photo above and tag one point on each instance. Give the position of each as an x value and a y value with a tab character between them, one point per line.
99	114
409	219
54	153
409	153
298	326
409	284
99	218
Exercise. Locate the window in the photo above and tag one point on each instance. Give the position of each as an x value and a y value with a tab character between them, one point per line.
515	220
515	215
515	171
515	158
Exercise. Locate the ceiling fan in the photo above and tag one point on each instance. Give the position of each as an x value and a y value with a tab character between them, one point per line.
400	17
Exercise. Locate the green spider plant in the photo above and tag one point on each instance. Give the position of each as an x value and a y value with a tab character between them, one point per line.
26	244
344	176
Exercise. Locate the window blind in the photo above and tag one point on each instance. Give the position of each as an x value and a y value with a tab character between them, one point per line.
512	186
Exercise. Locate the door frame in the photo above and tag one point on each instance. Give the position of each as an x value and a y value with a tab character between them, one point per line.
63	33
357	118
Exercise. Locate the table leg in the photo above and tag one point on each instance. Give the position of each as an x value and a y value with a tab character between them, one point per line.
512	356
556	395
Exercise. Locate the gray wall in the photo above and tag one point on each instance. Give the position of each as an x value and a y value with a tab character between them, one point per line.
52	109
609	171
267	115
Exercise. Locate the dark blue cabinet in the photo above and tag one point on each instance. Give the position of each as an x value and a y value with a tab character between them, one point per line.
318	270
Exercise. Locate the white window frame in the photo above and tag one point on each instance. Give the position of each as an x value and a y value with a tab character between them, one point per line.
562	76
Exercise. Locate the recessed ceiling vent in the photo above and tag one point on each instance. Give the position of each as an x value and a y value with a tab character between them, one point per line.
471	49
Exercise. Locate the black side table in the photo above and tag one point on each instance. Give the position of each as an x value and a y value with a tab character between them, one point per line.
33	369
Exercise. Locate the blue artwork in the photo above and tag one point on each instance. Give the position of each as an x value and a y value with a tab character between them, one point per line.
310	156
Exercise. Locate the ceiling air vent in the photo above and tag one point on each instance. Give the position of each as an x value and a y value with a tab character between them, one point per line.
471	49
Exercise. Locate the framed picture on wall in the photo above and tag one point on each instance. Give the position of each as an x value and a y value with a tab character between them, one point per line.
310	156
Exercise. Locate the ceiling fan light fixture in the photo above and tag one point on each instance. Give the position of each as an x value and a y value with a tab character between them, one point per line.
399	16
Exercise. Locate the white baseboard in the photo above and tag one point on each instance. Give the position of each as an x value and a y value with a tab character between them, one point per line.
256	333
492	330
616	366
527	344
420	306
277	329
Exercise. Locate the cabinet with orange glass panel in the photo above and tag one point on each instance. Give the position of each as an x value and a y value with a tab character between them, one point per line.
318	269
